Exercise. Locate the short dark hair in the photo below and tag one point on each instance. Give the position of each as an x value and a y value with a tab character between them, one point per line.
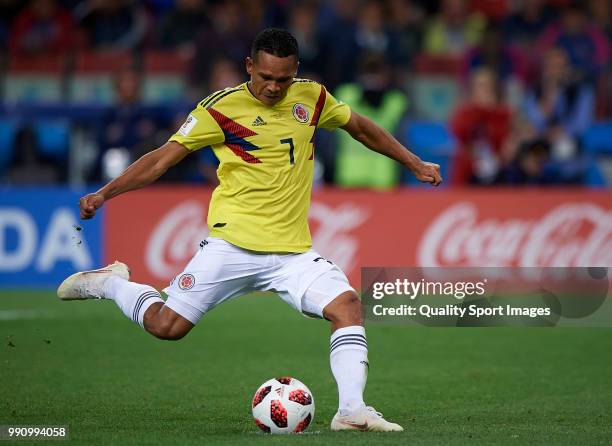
275	41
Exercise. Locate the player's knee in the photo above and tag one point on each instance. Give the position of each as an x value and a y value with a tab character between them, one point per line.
345	309
166	324
167	330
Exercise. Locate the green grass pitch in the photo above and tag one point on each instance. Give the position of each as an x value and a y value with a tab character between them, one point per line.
85	365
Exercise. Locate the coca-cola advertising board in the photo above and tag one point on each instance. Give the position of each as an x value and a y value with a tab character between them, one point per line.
157	230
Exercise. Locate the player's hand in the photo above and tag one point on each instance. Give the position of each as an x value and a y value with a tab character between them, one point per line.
428	173
89	204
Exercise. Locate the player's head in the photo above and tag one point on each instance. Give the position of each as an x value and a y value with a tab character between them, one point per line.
272	65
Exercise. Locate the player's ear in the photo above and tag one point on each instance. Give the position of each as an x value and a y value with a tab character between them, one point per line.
249	65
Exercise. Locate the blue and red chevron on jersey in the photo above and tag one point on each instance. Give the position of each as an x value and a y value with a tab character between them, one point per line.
263	195
234	136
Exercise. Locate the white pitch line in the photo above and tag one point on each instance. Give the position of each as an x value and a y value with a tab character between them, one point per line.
16	315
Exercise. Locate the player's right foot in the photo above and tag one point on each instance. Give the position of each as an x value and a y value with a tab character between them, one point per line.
364	419
90	284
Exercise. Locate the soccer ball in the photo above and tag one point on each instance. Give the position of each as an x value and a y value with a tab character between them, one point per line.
283	406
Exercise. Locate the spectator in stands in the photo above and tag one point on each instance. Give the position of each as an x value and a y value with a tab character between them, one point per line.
113	24
601	14
303	25
523	28
69	5
276	13
254	14
561	105
159	7
535	164
453	30
338	40
584	43
482	127
354	34
228	36
369	36
532	166
508	64
181	25
8	11
372	35
493	10
406	22
29	166
372	96
224	73
126	127
42	28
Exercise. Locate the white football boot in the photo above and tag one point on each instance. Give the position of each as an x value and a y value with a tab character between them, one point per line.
90	284
364	419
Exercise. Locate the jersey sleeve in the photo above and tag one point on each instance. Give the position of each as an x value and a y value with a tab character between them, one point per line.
334	114
199	130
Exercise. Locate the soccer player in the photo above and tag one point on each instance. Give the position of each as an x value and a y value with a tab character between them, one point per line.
262	132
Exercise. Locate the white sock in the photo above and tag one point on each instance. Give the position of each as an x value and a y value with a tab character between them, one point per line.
348	358
132	298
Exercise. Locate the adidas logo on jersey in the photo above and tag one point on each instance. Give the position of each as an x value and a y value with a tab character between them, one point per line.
258	121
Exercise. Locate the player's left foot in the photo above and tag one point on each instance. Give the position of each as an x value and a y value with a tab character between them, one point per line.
90	284
364	419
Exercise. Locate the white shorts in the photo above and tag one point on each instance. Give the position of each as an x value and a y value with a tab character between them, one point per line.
221	271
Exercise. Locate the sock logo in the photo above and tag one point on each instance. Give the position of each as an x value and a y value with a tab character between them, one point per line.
367	367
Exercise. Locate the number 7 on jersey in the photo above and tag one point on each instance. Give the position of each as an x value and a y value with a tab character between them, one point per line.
291	149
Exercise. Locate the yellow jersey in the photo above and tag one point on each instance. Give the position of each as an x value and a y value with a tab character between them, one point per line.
266	158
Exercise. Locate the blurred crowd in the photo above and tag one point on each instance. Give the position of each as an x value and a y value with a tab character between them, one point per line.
503	92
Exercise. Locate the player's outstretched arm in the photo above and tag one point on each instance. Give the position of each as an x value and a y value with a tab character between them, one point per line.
378	139
140	173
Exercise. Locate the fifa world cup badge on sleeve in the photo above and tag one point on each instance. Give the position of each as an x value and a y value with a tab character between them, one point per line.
188	125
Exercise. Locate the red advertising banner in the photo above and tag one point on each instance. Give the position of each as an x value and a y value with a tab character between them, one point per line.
157	230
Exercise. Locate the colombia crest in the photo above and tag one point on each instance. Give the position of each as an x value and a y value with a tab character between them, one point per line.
186	282
300	113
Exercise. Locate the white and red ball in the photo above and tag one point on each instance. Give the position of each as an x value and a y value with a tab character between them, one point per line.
283	406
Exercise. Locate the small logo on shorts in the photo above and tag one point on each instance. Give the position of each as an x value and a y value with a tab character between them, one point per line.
186	282
300	113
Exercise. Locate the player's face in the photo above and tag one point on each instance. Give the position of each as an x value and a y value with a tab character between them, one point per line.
271	76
